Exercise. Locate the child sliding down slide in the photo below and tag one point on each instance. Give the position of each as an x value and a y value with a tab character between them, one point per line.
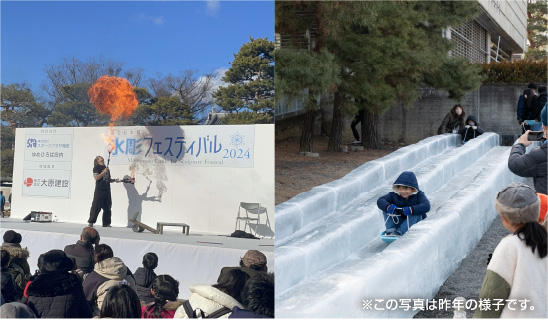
404	207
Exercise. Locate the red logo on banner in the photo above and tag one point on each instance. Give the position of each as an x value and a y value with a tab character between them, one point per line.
28	182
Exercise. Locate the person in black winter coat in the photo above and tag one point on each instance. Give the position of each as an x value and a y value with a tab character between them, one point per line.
82	250
8	286
539	103
56	292
257	297
453	120
404	207
144	276
471	130
19	266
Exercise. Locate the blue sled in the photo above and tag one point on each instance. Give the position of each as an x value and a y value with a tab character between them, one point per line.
388	240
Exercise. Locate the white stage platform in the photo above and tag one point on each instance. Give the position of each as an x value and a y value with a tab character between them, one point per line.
193	259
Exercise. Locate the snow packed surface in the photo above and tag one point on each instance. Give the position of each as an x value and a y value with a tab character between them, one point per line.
329	259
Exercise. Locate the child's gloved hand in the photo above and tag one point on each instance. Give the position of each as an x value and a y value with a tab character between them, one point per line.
407	210
390	209
474	127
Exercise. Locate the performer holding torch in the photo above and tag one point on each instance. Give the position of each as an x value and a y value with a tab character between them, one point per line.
101	197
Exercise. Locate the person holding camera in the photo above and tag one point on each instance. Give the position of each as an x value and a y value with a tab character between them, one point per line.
532	164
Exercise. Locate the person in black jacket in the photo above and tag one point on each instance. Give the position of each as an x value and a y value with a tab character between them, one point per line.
57	292
471	130
453	120
257	298
144	276
82	250
533	164
101	197
538	104
19	266
8	286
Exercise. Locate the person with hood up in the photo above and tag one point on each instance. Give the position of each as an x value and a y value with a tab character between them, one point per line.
404	207
219	299
108	271
534	163
56	292
518	267
452	121
144	276
19	266
471	130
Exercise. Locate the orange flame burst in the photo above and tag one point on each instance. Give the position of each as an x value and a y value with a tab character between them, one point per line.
113	96
109	139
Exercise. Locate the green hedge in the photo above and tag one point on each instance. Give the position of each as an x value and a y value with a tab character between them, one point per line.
524	71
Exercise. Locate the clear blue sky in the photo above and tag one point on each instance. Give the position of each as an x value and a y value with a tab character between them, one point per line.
158	36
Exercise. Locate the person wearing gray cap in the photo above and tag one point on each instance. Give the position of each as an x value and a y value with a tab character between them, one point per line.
533	164
517	270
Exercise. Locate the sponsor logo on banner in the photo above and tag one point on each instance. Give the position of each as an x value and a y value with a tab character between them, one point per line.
48	162
28	182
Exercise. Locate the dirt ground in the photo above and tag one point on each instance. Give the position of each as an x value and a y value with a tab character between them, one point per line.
296	174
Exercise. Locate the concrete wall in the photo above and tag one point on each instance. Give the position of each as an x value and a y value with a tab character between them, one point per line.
494	105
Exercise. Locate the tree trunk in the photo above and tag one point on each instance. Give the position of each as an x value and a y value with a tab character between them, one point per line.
307	134
336	125
370	137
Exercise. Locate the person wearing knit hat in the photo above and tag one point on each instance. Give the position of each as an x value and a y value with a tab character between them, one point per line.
518	267
534	163
254	258
251	263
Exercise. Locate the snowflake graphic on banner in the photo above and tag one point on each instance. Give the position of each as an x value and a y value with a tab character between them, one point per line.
237	139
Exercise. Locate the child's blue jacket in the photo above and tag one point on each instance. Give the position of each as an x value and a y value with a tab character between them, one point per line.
418	202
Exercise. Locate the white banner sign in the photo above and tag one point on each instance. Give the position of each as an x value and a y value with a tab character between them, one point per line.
197	146
48	162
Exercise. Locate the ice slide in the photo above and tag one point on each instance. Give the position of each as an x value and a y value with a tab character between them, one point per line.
329	260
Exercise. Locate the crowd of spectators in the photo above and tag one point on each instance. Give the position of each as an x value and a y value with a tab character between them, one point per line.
86	280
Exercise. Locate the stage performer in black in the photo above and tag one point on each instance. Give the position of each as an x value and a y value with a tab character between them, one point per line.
101	196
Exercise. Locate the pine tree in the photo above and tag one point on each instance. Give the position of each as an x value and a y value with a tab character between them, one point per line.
251	84
537	27
383	52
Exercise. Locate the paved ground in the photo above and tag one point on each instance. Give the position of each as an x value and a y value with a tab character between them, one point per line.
467	279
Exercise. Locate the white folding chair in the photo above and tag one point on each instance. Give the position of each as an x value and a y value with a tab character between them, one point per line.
250	209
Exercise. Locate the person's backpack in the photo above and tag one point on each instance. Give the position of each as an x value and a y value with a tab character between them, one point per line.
521	107
198	313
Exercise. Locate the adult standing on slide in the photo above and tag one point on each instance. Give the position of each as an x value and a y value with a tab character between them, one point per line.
101	197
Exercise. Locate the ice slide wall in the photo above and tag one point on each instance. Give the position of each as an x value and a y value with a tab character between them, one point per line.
324	199
416	265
